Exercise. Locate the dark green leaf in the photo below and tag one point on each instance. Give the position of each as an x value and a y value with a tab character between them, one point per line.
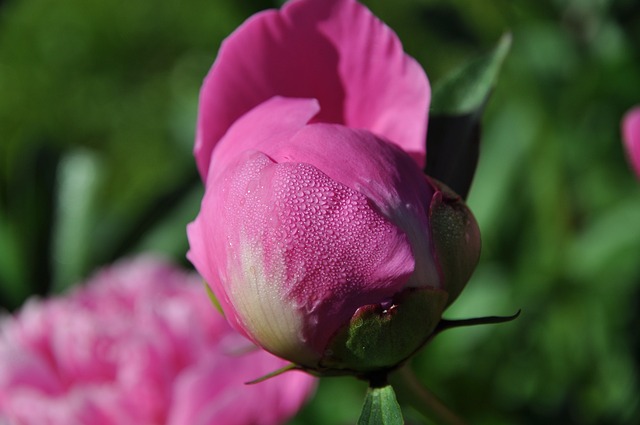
454	122
381	407
452	151
27	200
466	90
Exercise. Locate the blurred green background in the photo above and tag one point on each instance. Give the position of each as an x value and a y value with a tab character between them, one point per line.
98	102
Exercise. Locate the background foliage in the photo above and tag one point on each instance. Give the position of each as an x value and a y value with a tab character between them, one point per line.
97	110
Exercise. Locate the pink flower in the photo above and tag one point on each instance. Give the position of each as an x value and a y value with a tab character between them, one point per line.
317	216
631	137
140	343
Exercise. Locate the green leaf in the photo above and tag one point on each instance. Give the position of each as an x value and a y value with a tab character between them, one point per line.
29	191
458	101
381	407
79	175
466	89
12	270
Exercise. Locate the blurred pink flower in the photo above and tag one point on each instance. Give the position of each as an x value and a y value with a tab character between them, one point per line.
140	343
311	141
631	137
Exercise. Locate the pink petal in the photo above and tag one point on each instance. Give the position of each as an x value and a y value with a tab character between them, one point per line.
335	51
357	159
378	170
263	127
57	368
631	136
243	201
284	245
215	392
25	369
354	158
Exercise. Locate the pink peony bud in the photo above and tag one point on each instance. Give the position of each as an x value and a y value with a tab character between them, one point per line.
139	344
631	137
317	219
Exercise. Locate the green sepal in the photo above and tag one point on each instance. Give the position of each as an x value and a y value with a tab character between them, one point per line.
456	238
213	298
381	337
273	374
381	407
487	320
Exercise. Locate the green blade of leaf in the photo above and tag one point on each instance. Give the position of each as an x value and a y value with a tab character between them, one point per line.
454	123
12	270
466	89
79	175
381	407
453	148
30	192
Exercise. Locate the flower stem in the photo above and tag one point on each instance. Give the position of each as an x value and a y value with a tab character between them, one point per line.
411	390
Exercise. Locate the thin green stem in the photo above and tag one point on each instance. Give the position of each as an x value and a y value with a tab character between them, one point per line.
411	390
